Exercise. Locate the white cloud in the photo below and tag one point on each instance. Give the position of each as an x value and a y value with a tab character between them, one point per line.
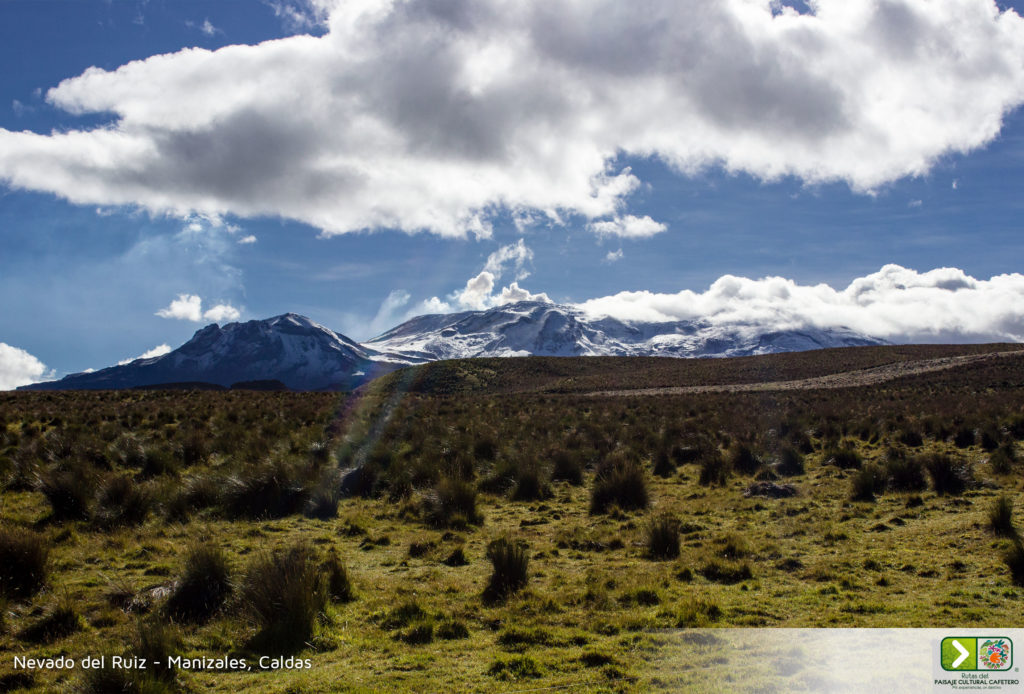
895	303
915	203
19	368
514	293
477	293
516	254
390	311
185	307
222	313
246	240
629	227
157	351
613	256
300	15
190	307
440	115
207	28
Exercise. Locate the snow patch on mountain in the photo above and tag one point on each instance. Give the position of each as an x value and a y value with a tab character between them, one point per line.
305	355
545	329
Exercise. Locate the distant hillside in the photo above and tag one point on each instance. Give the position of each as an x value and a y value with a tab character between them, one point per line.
591	374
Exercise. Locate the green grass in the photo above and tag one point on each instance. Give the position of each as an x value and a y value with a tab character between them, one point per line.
390	592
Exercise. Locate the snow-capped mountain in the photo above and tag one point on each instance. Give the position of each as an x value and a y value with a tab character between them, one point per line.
545	329
307	356
289	348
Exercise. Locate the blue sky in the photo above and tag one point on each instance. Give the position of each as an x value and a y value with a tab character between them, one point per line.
730	163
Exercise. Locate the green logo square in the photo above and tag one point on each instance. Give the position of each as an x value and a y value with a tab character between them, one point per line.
959	653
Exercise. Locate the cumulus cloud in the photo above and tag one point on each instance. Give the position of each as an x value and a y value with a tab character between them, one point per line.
185	307
19	368
222	313
515	255
157	351
628	226
439	115
895	303
190	307
481	291
613	256
477	293
246	240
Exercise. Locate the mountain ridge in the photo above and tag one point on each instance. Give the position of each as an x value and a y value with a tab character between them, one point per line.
305	355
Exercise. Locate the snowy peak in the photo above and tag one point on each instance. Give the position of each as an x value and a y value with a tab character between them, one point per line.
305	355
545	329
289	348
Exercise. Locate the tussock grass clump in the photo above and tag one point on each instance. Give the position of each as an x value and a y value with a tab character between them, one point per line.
520	639
403	615
451	630
742	459
69	492
1014	560
519	668
844	458
664	465
1000	517
510	564
418	634
156	641
58	622
905	474
662	537
867	482
157	461
193	448
203	587
988	438
269	490
336	579
949	476
727	573
697	613
321	504
451	504
566	466
964	437
485	448
456	558
110	680
791	462
733	546
121	501
128	451
1003	459
531	484
910	437
195	494
283	593
621	482
23	563
714	469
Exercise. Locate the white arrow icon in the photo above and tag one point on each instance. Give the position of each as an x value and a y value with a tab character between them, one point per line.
963	653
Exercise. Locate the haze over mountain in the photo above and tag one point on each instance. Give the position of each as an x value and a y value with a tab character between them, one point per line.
305	355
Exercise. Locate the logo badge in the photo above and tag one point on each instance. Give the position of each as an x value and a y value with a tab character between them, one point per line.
976	653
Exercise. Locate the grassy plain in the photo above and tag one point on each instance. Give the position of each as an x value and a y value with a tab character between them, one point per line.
408	482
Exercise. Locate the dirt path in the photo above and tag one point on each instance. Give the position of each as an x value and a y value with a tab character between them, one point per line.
847	379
